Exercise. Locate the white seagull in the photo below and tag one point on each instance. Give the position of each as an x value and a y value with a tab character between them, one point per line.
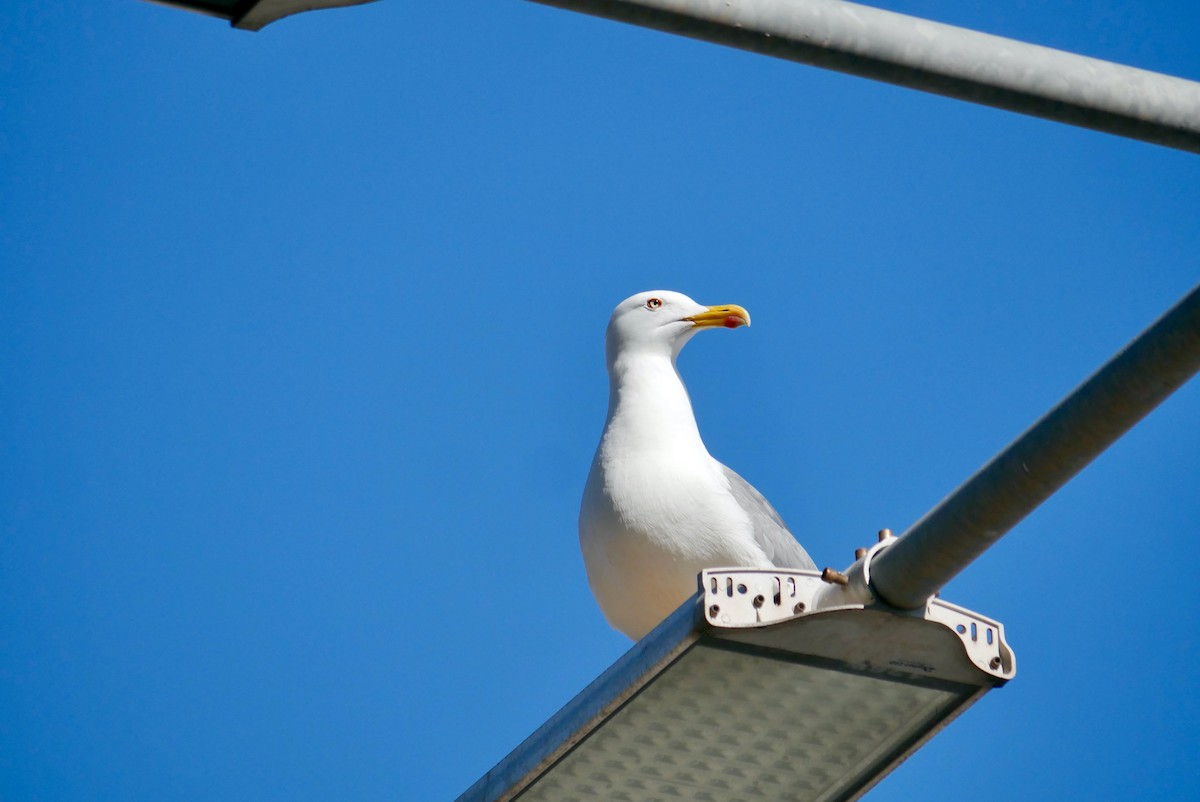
657	508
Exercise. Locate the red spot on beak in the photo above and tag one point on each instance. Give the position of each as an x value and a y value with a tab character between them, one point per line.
733	321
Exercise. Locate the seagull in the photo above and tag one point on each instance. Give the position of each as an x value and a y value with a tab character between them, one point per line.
657	508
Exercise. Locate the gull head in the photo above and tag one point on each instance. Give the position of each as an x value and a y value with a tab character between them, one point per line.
662	321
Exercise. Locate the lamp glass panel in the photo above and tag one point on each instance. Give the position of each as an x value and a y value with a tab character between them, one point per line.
729	721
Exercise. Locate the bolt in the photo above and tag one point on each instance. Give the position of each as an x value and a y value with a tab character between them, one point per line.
860	553
884	534
834	577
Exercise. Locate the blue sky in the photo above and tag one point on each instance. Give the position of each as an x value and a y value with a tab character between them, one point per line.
301	371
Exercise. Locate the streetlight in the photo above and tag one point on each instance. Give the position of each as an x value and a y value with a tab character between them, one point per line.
766	685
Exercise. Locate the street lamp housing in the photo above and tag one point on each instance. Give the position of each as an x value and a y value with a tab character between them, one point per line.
762	686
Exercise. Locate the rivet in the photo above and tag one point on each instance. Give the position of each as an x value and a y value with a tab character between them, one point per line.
995	663
758	601
799	608
713	610
860	553
884	534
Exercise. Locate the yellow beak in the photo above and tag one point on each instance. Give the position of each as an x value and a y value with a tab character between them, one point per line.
729	315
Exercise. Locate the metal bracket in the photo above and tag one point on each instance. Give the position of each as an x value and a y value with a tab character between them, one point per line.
748	597
751	598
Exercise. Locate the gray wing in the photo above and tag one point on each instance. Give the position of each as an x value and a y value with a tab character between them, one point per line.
770	532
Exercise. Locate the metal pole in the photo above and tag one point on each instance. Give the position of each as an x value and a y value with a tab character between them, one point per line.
933	57
959	529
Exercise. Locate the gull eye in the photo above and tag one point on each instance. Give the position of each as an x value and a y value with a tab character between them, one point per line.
654	303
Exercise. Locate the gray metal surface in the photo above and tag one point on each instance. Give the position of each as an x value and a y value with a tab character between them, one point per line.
933	57
949	537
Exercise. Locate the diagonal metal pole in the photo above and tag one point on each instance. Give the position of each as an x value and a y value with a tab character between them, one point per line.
1009	487
933	57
